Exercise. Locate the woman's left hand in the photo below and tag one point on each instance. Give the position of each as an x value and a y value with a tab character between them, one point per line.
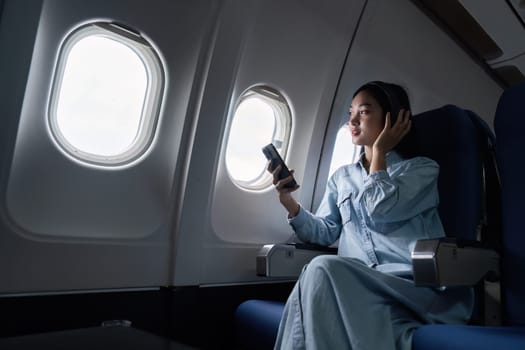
391	136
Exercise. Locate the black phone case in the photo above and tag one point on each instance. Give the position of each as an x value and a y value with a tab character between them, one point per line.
272	155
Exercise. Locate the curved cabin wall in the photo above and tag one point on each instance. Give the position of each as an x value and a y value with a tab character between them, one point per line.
175	217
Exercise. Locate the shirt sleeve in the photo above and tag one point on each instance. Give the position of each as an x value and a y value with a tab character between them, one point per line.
407	191
324	227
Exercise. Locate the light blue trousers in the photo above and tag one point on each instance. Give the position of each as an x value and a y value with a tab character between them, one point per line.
340	303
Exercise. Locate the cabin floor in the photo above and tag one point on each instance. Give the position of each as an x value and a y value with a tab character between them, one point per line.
189	317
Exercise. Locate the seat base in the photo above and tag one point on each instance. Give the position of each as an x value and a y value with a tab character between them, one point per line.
463	337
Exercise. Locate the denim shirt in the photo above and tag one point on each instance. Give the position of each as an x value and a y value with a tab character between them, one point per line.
377	217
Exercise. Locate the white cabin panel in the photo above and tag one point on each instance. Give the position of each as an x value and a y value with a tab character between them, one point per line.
69	225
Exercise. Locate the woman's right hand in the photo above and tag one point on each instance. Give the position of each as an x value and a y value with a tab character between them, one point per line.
285	193
280	184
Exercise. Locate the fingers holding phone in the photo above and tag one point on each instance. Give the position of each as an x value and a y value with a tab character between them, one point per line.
282	179
282	182
282	176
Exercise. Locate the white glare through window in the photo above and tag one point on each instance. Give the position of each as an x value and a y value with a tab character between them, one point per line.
101	96
106	95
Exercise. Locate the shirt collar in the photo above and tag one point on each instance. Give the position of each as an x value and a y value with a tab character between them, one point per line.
391	158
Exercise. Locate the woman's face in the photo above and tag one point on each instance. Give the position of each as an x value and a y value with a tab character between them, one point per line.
366	119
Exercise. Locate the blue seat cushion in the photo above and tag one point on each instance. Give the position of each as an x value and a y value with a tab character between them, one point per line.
455	337
257	323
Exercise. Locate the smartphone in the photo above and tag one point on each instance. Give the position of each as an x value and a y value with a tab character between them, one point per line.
272	155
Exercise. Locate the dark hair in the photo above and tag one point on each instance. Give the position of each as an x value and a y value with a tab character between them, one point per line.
392	98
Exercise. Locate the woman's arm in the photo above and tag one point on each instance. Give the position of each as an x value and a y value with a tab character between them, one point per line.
409	190
324	227
388	139
285	192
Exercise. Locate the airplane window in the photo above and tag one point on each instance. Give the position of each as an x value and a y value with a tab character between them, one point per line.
345	152
261	117
106	95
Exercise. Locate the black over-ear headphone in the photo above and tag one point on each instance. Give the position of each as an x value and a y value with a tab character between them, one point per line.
393	100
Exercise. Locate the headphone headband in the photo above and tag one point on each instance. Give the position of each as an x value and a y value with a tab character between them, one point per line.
391	95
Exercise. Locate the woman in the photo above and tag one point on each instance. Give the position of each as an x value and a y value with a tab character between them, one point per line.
378	208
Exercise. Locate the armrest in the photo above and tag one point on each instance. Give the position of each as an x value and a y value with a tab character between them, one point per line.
287	260
447	262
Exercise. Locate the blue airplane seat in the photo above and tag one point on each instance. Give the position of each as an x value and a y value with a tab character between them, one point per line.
509	126
257	322
452	137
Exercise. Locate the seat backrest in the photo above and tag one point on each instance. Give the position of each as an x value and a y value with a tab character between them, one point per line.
509	125
449	135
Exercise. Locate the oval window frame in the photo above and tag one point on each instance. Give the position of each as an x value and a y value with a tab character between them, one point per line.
151	108
280	137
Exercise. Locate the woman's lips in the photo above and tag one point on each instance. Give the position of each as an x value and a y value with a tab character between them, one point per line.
355	132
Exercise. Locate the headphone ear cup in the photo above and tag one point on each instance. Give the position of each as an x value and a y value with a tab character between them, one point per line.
395	106
394	110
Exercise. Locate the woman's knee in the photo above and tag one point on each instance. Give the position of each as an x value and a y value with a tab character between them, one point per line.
324	261
324	266
335	263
